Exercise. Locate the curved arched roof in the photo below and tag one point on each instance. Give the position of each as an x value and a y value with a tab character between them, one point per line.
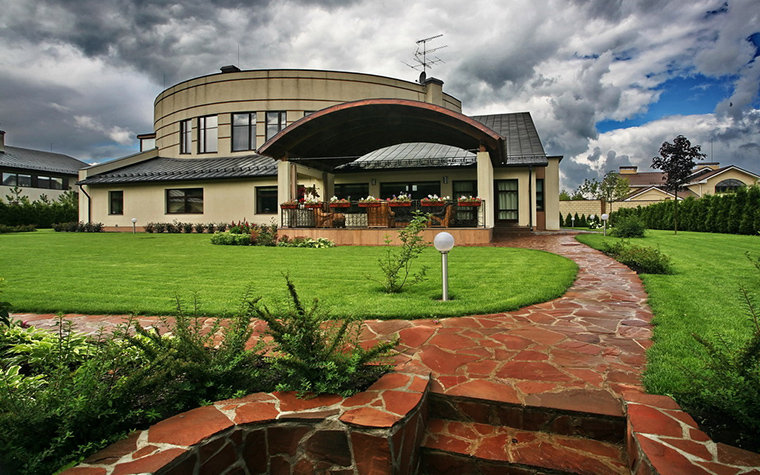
338	134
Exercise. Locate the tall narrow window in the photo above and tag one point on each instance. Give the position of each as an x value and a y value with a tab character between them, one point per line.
207	134
506	200
539	194
243	131
184	201
275	123
116	202
185	135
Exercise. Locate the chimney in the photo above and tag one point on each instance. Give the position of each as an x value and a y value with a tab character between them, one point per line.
629	170
229	69
433	90
2	141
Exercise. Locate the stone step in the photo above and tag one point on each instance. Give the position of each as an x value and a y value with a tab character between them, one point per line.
456	447
588	414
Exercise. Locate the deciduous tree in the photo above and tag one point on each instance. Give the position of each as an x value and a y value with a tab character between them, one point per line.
677	161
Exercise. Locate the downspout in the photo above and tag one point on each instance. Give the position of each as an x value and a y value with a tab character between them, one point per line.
89	203
530	197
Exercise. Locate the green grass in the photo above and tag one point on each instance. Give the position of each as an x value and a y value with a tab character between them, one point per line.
114	273
701	297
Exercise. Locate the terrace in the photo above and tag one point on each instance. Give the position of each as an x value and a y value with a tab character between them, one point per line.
367	221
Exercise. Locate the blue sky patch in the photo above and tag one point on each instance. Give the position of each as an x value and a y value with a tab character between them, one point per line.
690	95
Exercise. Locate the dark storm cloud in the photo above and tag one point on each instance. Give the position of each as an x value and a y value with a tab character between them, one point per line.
145	35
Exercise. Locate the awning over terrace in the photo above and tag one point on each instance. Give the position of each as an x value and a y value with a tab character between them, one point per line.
339	134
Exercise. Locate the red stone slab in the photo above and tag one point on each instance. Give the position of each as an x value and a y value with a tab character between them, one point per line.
190	427
481	389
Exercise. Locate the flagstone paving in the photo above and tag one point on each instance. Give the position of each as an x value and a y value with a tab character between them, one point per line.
558	381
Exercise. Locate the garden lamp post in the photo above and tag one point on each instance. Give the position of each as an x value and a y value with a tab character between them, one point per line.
444	242
605	217
134	222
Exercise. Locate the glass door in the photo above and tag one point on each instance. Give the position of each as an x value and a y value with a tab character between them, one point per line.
506	201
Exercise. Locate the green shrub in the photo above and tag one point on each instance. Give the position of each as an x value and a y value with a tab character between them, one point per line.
228	238
24	228
643	260
78	227
631	227
315	354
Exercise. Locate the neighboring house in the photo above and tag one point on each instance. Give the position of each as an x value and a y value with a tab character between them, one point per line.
35	172
707	178
236	144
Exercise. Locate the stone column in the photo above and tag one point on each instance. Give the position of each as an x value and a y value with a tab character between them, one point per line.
485	184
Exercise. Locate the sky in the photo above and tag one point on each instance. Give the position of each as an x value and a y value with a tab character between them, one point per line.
606	81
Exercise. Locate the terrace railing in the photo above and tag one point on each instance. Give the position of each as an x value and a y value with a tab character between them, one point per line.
381	214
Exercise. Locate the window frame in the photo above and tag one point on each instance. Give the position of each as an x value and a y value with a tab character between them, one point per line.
208	134
186	200
186	136
282	120
540	195
249	128
270	198
116	196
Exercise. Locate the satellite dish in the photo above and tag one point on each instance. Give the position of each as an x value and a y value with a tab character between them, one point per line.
423	77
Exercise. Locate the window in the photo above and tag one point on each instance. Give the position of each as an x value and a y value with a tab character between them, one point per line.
184	201
506	200
416	190
275	123
185	136
116	202
539	194
729	186
266	200
43	182
207	134
9	179
24	180
464	188
351	191
243	131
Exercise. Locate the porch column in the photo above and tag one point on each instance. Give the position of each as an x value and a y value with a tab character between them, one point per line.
328	186
485	184
285	184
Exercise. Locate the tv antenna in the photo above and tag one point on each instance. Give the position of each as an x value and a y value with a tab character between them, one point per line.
420	56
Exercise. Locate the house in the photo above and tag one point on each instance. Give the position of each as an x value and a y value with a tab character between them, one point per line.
707	178
236	144
35	172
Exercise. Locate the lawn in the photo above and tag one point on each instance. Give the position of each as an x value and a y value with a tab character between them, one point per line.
701	297
115	273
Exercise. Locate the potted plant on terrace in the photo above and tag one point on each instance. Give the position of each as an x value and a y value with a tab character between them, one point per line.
336	202
311	197
434	200
370	202
402	199
469	201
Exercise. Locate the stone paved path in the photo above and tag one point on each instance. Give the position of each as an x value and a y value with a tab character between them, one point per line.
578	352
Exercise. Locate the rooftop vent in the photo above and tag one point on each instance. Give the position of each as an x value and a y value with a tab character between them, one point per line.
230	69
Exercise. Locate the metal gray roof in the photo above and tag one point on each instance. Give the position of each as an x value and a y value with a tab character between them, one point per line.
411	155
522	145
176	169
28	159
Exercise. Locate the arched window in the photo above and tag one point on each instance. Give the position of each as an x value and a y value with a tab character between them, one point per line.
728	186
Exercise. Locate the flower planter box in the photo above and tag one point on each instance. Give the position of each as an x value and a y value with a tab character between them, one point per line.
340	205
469	203
312	205
290	206
398	204
370	205
431	203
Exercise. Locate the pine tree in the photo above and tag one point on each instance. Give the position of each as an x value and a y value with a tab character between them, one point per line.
751	210
738	205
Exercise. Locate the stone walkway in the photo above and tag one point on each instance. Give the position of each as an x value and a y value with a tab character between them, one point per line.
583	353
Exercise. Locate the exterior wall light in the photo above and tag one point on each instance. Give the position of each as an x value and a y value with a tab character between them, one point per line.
444	242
